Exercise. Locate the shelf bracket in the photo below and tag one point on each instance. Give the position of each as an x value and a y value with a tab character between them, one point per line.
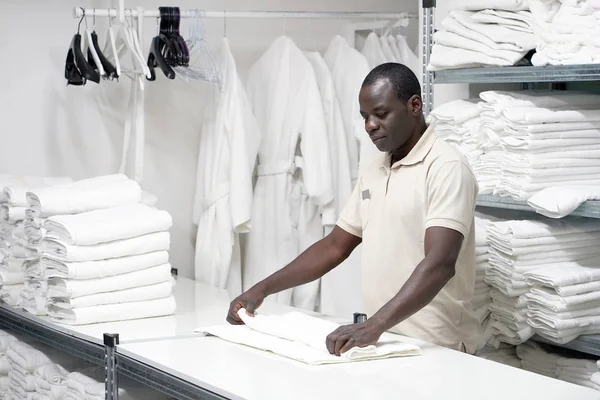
428	24
111	384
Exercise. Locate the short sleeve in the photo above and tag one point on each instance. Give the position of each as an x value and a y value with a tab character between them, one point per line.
350	218
451	195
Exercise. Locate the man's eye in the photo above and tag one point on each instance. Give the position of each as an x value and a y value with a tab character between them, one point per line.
381	115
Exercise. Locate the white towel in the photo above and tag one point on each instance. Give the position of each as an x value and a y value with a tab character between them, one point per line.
455	42
511	5
557	276
113	312
108	225
26	381
12	215
11	294
560	201
51	381
536	115
8	277
25	356
60	287
302	338
54	268
142	293
455	112
120	248
86	195
445	57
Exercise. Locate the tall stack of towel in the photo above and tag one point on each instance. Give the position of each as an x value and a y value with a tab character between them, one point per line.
545	361
482	298
491	33
103	254
569	32
13	254
5	339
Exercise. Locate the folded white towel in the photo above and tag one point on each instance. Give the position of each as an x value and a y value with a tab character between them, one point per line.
24	380
12	215
51	381
120	248
511	5
85	195
11	294
536	115
25	356
60	287
142	293
445	57
8	277
560	201
4	365
455	112
113	312
302	338
54	268
457	42
108	225
557	276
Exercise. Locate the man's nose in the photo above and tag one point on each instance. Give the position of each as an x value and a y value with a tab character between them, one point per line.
371	124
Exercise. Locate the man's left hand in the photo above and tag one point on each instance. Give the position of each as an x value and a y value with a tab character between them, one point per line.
348	336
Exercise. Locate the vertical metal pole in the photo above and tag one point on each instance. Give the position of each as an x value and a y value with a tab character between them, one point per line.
428	30
111	385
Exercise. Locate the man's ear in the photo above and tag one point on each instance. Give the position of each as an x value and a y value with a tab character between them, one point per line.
415	105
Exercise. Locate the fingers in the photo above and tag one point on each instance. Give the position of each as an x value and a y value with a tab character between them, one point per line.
232	316
251	308
340	343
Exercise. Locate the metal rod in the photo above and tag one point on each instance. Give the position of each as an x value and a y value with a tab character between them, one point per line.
428	30
111	384
113	13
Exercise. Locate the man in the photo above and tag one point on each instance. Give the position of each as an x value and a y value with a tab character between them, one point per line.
413	211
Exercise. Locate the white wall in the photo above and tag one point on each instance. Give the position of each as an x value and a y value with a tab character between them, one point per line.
51	129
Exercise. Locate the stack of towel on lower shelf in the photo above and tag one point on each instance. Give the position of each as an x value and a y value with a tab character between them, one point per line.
569	33
482	295
5	339
544	361
488	33
543	278
13	239
504	354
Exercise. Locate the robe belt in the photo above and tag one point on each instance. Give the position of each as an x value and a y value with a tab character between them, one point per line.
217	194
278	168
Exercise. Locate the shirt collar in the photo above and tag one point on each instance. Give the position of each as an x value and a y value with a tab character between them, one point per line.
417	154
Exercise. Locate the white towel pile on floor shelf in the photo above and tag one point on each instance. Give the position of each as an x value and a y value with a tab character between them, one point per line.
524	253
5	339
535	358
13	239
569	33
504	354
482	297
546	139
490	33
108	265
302	338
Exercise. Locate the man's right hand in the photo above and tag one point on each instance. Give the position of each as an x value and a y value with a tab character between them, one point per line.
250	300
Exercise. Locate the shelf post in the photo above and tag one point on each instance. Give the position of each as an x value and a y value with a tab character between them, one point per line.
111	386
428	23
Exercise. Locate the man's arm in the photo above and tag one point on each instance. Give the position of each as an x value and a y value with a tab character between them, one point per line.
442	246
313	263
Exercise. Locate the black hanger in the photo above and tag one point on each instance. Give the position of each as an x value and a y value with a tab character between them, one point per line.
111	71
77	70
159	46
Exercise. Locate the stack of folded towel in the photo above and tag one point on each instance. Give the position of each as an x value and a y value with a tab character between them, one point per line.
482	298
595	378
546	361
524	253
50	382
569	33
491	33
546	139
564	301
108	265
504	354
5	339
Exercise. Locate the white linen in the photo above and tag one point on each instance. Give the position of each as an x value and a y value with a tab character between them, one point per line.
107	225
84	195
135	294
59	287
11	294
560	201
121	248
113	312
54	268
512	5
301	337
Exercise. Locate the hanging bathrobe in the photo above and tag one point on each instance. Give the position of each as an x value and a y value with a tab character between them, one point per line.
387	50
394	47
294	173
338	144
341	289
373	52
223	202
408	57
349	68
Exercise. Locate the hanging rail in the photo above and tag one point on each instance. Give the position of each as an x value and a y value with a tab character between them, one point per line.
78	12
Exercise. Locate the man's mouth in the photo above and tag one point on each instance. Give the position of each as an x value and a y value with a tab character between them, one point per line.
377	139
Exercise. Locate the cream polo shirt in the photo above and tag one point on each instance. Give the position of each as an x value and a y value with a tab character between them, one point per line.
390	209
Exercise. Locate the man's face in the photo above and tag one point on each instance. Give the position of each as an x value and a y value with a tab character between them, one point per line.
388	120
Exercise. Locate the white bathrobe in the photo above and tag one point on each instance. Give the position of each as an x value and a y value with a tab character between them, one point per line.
373	51
294	173
223	202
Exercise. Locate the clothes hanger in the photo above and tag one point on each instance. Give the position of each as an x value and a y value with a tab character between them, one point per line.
77	70
110	48
88	48
139	54
124	42
105	68
160	44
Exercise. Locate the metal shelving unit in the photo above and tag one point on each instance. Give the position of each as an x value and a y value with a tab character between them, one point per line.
588	344
520	74
589	209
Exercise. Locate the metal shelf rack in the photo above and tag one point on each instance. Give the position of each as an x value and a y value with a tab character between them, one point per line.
589	344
